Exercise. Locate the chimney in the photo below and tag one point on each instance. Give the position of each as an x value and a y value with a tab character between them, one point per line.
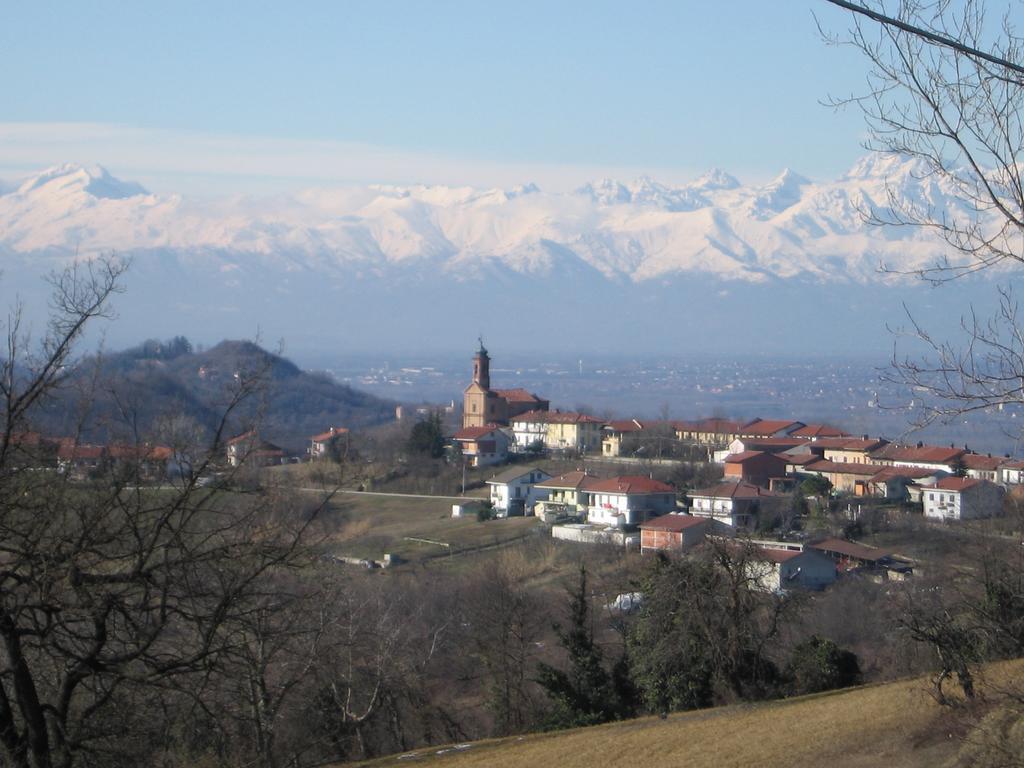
920	444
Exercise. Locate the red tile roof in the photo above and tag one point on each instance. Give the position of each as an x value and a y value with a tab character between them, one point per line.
72	452
768	427
981	463
850	549
627	425
673	523
518	396
739	458
771	443
818	431
577	480
474	433
844	467
955	484
850	443
629	484
715	426
775	555
329	434
926	453
911	473
736	490
250	435
800	459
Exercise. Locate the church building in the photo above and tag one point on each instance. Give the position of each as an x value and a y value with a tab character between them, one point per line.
482	405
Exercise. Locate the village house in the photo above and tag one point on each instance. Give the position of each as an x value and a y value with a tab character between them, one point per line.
851	477
529	431
779	570
713	432
814	432
787	445
248	448
558	430
842	450
149	462
920	455
332	444
627	501
962	498
578	432
848	555
80	460
484	446
482	405
675	532
982	467
896	483
613	434
1011	472
757	467
515	492
735	503
568	494
769	428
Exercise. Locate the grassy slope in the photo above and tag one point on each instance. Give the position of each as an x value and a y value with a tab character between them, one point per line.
897	725
373	525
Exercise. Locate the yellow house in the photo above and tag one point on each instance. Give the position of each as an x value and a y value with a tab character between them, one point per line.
572	432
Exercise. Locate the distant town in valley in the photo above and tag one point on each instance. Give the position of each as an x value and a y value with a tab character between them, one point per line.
853	393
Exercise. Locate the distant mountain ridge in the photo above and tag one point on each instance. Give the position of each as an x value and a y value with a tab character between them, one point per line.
635	265
637	231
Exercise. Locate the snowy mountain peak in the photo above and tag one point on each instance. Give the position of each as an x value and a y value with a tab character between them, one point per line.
883	166
606	192
93	180
716	178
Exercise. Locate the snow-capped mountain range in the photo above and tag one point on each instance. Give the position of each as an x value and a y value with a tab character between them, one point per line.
637	231
499	251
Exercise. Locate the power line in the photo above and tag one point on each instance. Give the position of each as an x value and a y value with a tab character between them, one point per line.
934	37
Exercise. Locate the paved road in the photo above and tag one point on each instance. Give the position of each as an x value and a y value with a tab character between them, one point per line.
392	495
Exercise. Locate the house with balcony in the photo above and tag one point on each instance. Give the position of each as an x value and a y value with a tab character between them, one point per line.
734	503
962	498
627	501
484	446
568	495
514	492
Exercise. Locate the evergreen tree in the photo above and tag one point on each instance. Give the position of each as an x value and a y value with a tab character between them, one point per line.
584	694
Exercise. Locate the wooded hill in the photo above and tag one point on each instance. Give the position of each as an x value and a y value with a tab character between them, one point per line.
133	393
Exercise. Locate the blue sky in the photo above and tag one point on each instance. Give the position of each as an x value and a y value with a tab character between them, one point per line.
216	95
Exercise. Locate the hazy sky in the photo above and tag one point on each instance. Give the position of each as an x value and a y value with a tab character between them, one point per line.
238	96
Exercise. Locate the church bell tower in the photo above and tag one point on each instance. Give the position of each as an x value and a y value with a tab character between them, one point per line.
482	367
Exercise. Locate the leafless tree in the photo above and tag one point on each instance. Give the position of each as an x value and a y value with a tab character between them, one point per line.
946	87
115	598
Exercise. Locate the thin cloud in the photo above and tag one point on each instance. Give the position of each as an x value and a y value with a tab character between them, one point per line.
204	162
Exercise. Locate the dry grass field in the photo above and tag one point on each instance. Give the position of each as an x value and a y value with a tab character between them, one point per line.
896	724
370	525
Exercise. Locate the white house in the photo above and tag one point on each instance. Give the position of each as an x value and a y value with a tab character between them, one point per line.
529	430
1011	473
962	498
250	449
778	570
622	501
515	490
734	503
329	444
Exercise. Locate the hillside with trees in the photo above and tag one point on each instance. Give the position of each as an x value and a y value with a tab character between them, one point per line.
139	389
